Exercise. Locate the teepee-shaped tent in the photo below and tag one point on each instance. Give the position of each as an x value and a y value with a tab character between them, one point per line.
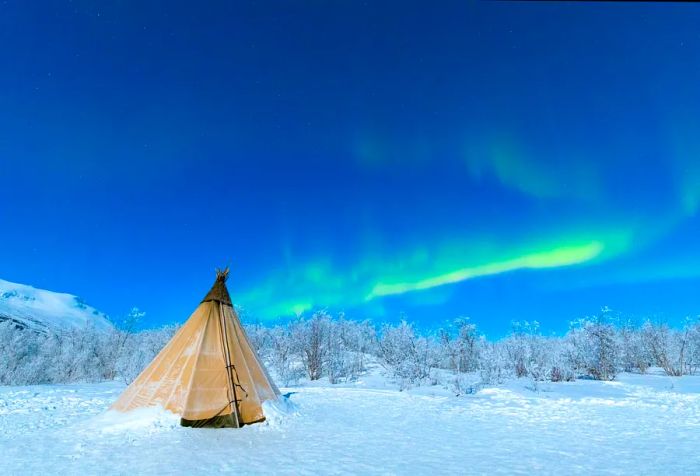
208	373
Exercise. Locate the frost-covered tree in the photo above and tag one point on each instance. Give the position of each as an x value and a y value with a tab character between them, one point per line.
529	354
360	339
459	346
593	349
339	348
281	355
675	351
140	349
492	363
693	327
337	359
258	336
407	356
634	356
310	339
118	340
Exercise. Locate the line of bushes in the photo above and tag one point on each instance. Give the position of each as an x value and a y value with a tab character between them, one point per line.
339	349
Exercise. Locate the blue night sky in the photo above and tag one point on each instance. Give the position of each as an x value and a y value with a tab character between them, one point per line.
499	160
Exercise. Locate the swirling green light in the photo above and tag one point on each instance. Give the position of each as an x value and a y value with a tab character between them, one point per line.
557	257
320	283
506	161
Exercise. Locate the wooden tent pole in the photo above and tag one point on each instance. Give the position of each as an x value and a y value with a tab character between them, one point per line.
229	365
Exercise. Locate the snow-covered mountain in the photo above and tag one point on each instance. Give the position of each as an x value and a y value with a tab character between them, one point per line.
43	310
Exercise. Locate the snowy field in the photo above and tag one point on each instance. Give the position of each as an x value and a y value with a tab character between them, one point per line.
635	425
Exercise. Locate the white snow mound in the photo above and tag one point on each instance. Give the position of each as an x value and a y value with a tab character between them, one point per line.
46	310
149	420
278	411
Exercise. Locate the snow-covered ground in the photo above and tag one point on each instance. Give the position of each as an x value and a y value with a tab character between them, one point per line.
635	425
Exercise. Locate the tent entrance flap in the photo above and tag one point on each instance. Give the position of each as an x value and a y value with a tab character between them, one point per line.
221	421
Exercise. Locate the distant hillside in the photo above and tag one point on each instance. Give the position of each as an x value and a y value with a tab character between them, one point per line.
43	310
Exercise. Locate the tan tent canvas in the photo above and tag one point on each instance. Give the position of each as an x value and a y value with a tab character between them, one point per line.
209	374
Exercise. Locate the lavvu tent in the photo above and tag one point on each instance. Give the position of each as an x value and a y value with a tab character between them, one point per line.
209	374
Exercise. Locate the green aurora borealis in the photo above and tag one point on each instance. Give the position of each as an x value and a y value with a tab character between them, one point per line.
500	160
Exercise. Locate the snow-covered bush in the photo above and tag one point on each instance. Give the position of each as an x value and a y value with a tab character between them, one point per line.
694	346
324	346
593	348
634	355
18	348
408	357
353	342
677	352
281	355
560	369
78	355
527	353
459	346
140	349
492	363
523	349
259	337
310	341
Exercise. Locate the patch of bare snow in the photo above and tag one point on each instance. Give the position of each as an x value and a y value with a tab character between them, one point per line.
636	425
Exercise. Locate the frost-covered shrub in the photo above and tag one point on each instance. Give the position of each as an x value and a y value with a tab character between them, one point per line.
322	346
529	354
258	336
338	361
281	356
560	369
339	349
459	346
634	356
592	348
694	347
407	356
492	363
310	341
343	361
17	350
524	351
28	357
677	352
139	349
354	341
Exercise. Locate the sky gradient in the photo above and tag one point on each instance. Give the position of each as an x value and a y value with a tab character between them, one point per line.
498	160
